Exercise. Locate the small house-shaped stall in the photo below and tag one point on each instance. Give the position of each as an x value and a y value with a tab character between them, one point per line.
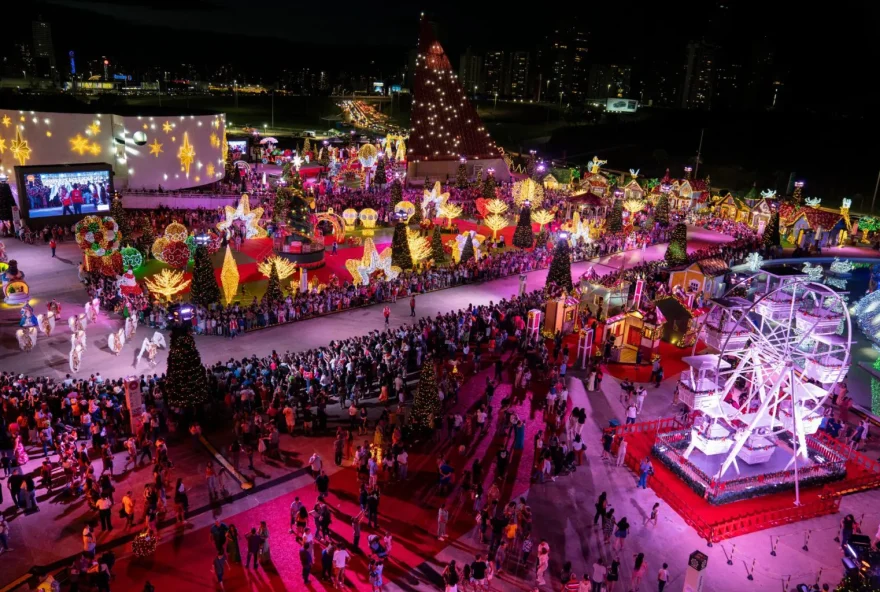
729	207
550	182
588	205
806	225
600	300
596	184
759	216
633	190
706	276
635	331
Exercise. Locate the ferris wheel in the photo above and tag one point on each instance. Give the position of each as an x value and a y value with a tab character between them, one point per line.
779	357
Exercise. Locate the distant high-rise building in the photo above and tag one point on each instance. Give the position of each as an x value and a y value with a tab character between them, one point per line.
699	76
518	79
44	50
609	81
470	72
565	68
494	73
661	83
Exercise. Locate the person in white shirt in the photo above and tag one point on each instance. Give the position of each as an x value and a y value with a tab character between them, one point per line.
340	560
662	577
631	413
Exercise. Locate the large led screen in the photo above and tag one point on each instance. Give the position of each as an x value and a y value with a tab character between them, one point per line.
70	191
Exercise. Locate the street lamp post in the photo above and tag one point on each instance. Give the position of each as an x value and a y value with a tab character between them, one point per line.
273	108
495	106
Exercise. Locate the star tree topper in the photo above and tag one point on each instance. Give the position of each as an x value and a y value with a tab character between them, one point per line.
251	218
372	261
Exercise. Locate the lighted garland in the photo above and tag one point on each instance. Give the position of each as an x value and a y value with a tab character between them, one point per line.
98	236
131	258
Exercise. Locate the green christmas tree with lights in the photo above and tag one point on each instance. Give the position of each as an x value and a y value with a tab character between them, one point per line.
186	384
380	177
291	205
676	252
478	183
524	236
396	192
273	295
417	216
661	212
467	251
324	159
400	255
560	267
615	218
146	239
118	213
461	179
855	582
204	289
437	252
307	145
426	404
489	186
771	237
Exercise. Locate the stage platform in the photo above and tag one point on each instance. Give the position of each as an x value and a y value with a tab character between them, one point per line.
719	522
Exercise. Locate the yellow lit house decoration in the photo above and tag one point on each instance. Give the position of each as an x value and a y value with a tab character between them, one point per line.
186	154
362	269
251	218
284	267
167	283
229	276
20	149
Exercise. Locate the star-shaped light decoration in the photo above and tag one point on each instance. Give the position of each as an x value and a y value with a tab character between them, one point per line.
166	127
6	121
297	161
156	148
95	128
362	269
251	218
94	149
434	197
215	141
186	154
210	169
2	145
79	144
20	149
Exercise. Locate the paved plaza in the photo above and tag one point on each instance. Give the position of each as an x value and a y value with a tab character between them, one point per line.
563	510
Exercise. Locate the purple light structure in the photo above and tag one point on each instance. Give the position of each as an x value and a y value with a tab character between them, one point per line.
618	193
541	168
462	160
491	171
688	169
799	184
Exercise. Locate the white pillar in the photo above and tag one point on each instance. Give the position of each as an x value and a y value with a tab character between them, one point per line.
522	284
696	570
585	347
303	280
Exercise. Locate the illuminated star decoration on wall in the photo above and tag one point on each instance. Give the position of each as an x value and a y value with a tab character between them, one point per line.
95	149
372	261
215	141
156	148
6	121
166	127
2	145
210	169
186	154
95	128
20	149
251	218
79	144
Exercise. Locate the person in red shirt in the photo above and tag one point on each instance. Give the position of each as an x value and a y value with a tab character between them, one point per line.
66	202
387	313
76	197
53	245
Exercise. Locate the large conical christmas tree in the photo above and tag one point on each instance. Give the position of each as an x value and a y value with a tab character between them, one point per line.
307	145
489	186
437	252
273	295
771	237
324	159
400	255
417	216
396	192
615	218
380	178
291	204
560	266
524	236
426	404
467	251
7	202
204	289
186	384
461	179
118	213
661	212
676	252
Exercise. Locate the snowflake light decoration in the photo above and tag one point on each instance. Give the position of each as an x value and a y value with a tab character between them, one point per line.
754	261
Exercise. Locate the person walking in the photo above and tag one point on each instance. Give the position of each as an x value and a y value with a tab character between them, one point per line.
631	413
620	534
543	564
653	517
662	577
340	562
601	506
442	519
597	579
640	566
305	558
53	245
104	505
645	469
4	535
386	312
621	452
254	546
412	306
220	565
128	508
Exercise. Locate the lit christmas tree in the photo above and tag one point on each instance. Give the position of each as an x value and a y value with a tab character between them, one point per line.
400	255
437	252
524	236
291	205
147	238
771	236
396	192
614	222
467	251
478	182
855	582
307	145
461	179
117	212
380	178
273	290
489	186
426	404
324	159
661	212
186	384
204	289
541	239
417	216
676	252
532	166
560	267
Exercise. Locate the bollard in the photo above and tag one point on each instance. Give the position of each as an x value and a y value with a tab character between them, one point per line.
730	558
775	544
752	570
786	583
806	546
818	577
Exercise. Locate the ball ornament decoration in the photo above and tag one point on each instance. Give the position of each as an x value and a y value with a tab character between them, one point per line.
176	232
131	258
176	254
98	236
159	247
139	138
